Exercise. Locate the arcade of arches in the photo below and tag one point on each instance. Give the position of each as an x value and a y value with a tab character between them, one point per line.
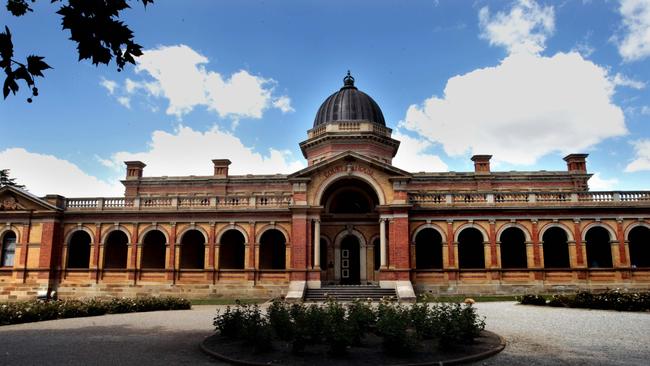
348	218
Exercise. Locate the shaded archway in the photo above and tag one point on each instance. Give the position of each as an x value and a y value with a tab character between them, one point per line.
8	249
272	250
116	249
79	250
323	254
192	250
513	248
599	250
376	253
428	249
471	254
232	250
153	250
350	196
555	248
639	242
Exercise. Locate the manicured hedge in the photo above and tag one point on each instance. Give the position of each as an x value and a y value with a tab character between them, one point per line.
340	326
37	310
608	300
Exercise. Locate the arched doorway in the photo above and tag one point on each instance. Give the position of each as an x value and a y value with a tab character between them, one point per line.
350	216
350	261
555	247
513	248
116	249
428	249
471	254
639	238
599	250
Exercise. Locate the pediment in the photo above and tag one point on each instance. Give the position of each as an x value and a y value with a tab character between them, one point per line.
350	161
15	199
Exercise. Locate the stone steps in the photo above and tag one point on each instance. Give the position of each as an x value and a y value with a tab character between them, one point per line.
349	293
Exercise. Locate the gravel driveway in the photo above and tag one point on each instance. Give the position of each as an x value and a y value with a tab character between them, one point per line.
535	336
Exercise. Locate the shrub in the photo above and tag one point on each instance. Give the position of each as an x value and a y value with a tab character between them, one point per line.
394	326
337	330
280	320
361	318
531	300
230	323
559	301
37	310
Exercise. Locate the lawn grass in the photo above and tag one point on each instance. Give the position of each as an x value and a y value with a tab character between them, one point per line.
226	301
461	298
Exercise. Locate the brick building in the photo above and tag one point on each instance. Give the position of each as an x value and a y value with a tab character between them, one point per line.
349	218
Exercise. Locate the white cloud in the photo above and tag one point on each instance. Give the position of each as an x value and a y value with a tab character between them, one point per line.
622	80
524	29
110	85
598	183
641	156
163	156
46	174
634	44
645	110
283	103
412	157
523	108
180	76
124	101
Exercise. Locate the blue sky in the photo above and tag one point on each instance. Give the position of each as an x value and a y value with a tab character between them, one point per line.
525	81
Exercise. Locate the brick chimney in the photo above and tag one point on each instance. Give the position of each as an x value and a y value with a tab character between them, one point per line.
134	169
221	167
576	163
481	164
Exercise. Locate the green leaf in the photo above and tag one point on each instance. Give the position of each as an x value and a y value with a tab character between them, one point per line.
36	65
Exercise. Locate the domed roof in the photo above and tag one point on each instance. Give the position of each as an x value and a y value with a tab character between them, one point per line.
349	104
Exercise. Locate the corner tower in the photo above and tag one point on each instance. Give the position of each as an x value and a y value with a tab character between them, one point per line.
349	120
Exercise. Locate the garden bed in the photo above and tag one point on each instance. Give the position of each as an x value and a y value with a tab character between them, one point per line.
370	353
38	310
356	333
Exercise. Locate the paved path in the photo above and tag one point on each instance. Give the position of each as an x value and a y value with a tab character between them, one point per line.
535	336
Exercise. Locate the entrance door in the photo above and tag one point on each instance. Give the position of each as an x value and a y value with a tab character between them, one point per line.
350	261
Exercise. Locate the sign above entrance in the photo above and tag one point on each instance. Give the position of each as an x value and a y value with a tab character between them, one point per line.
348	168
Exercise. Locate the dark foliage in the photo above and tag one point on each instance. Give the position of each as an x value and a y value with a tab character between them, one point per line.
607	300
532	300
94	25
37	310
5	180
341	327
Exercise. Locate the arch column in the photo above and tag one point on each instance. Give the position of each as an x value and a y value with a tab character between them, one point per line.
580	250
317	244
537	262
171	264
622	253
382	244
492	237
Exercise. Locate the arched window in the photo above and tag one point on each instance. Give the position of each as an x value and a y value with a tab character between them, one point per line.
428	249
79	250
513	248
599	250
8	249
556	248
232	250
116	249
639	239
193	250
272	250
153	250
470	249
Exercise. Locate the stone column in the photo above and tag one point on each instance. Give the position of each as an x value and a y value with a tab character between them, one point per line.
620	232
317	244
382	243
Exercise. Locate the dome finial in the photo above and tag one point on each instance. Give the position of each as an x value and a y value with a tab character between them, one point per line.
348	80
